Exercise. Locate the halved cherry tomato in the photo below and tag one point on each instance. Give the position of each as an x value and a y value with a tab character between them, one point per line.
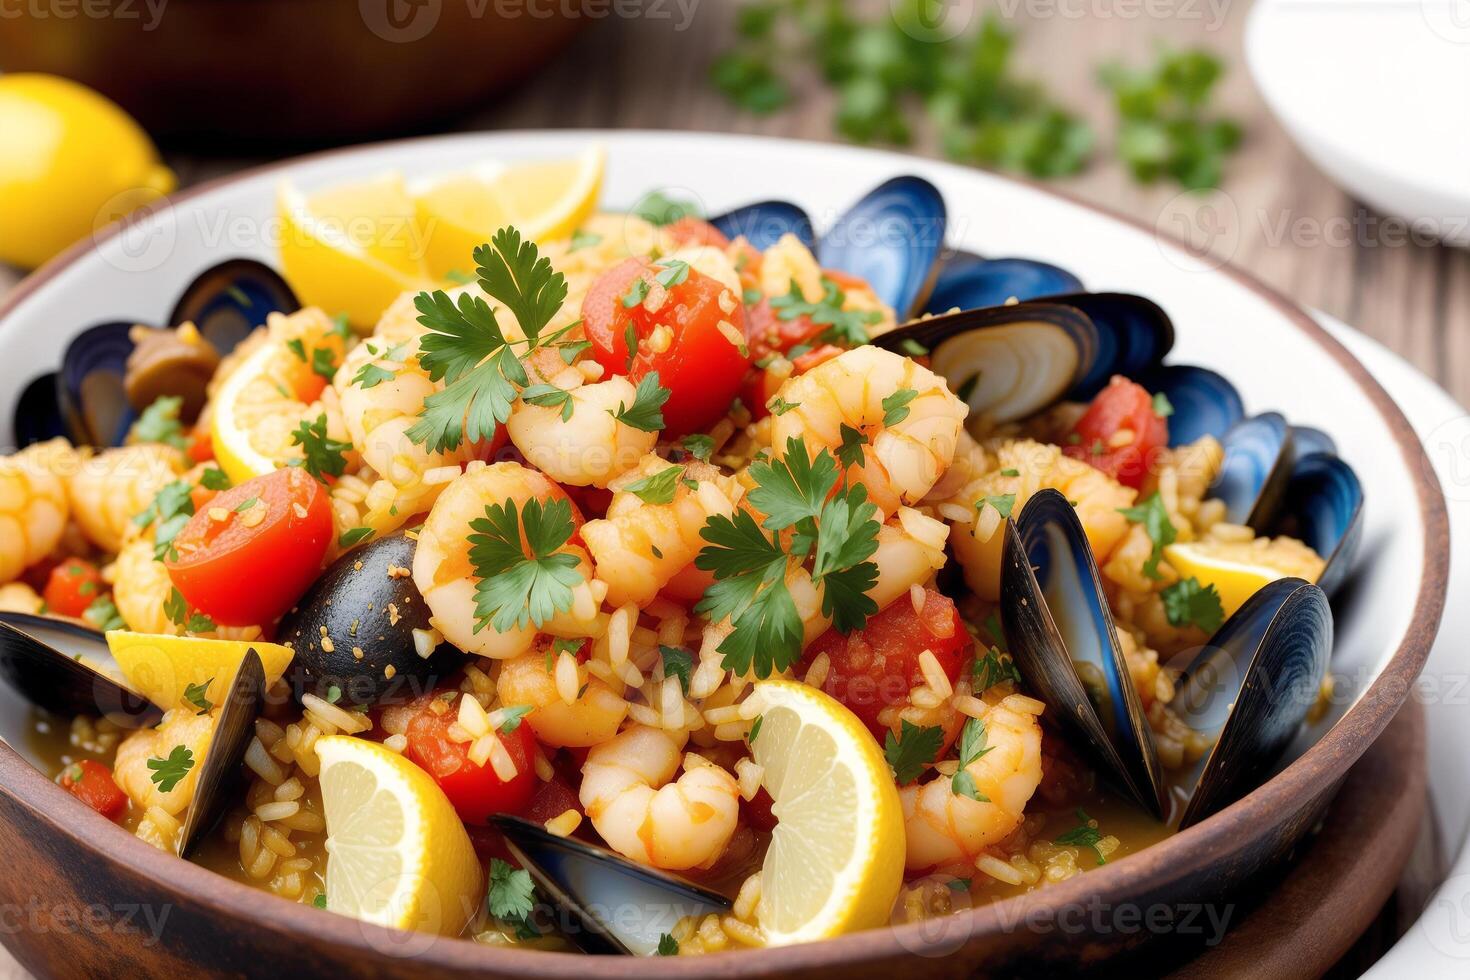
241	571
877	666
1120	433
701	368
72	586
475	790
92	783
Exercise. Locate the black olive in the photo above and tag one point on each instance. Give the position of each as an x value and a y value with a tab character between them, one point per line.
354	631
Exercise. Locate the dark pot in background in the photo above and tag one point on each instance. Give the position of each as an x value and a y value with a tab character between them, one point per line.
293	71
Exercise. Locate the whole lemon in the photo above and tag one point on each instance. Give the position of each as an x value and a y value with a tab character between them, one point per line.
71	161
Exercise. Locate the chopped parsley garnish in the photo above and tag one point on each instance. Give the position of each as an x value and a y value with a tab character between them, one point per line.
678	663
1085	834
646	413
214	478
320	901
583	239
194	694
667	945
844	327
370	375
511	896
698	445
324	362
896	406
321	455
168	773
511	715
573	349
550	396
177	610
637	293
334	694
1155	520
353	535
1163	408
851	452
972	746
102	613
755	729
658	488
1188	603
171	509
836	530
297	346
1010	471
674	271
913	348
1004	503
467	350
780	406
993	668
911	750
159	422
658	208
514	590
960	885
245	505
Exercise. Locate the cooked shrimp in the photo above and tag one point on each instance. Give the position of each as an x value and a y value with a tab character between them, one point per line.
590	447
141	587
628	796
1022	467
19	597
903	460
443	572
593	717
33	512
639	547
944	828
189	729
113	487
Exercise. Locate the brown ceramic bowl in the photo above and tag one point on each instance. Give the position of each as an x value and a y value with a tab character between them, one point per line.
65	860
303	71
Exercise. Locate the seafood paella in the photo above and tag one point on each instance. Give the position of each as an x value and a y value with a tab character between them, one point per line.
663	584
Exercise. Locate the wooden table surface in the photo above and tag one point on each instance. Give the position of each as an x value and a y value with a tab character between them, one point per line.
1276	214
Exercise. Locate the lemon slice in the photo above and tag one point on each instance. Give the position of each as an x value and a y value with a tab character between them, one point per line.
397	854
544	200
351	249
836	858
1238	569
163	668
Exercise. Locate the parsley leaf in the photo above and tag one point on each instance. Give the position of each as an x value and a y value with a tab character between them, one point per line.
1163	408
1155	520
851	452
514	590
1004	503
166	773
847	536
780	406
1188	603
1085	834
177	610
159	422
755	729
637	293
511	896
658	488
658	208
991	669
370	375
103	614
750	590
793	487
895	406
353	535
550	396
972	746
322	456
194	694
170	511
646	412
849	327
698	445
511	715
324	363
677	663
675	271
911	750
667	945
214	478
583	239
515	273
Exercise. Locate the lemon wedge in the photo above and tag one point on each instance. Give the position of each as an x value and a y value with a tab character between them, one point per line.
164	668
1239	569
397	854
352	249
836	858
544	200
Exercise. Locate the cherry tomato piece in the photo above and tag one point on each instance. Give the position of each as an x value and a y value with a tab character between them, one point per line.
92	783
701	367
476	791
552	798
696	231
72	586
1120	433
201	446
247	568
877	666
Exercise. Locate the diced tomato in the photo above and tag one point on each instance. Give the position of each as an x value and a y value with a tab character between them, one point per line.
757	811
72	586
476	791
587	500
815	356
240	571
701	368
771	334
694	231
688	585
1120	433
552	798
201	446
92	783
877	666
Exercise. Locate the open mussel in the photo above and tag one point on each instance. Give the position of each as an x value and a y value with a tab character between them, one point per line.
967	282
66	669
1250	686
221	773
766	223
94	402
616	905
